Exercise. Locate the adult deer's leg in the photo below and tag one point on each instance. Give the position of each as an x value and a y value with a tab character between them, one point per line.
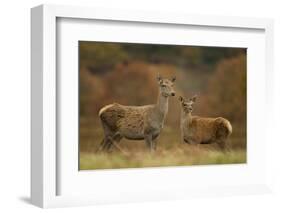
115	141
104	144
154	144
107	141
101	146
108	144
149	142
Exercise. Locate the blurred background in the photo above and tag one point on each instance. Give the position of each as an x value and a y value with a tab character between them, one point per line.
126	73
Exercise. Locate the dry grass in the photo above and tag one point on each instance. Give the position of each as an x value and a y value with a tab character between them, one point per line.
180	155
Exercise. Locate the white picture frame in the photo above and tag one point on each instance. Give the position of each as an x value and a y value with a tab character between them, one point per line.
45	168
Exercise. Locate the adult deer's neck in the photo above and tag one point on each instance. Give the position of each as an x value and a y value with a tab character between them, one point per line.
162	104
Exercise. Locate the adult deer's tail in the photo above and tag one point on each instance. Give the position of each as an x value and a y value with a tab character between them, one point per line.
102	110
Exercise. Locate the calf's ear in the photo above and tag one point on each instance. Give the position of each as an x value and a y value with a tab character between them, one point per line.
181	99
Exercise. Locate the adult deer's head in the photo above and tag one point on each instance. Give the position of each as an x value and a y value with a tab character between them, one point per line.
166	86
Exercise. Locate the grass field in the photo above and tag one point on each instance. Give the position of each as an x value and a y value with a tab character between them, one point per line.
169	152
183	156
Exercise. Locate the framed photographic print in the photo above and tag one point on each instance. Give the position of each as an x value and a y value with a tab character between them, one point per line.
129	106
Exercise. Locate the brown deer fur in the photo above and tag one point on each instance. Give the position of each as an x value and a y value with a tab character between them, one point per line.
201	130
136	122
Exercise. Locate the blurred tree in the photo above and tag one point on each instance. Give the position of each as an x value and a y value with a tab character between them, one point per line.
132	84
227	91
211	55
100	57
91	93
192	55
152	53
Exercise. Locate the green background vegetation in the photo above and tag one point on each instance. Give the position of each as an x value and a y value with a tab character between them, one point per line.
126	74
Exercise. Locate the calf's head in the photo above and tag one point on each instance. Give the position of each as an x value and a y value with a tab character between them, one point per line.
187	105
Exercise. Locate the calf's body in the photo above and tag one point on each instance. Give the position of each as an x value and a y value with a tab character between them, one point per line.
202	130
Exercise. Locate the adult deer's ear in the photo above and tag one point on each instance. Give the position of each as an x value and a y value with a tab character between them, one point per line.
193	99
159	78
173	79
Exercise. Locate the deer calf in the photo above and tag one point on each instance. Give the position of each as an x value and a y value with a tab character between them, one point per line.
200	130
136	122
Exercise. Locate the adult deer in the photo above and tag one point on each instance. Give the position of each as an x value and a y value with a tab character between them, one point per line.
136	122
201	130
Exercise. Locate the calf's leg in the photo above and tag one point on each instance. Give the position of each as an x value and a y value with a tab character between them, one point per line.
223	145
